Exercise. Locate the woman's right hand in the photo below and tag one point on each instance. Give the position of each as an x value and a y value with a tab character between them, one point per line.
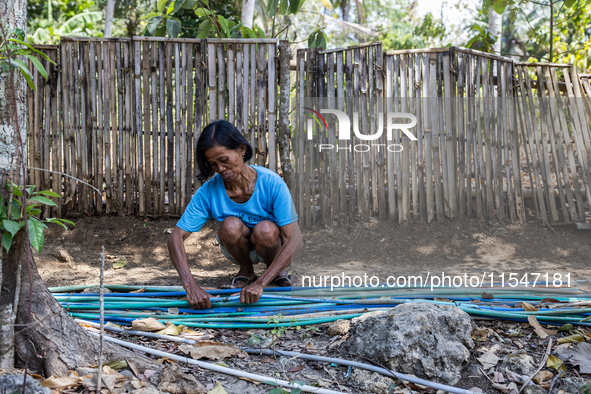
197	297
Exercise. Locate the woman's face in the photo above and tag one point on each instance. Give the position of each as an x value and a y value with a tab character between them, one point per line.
226	162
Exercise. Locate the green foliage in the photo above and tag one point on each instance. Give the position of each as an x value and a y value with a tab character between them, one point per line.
317	39
483	40
16	44
560	33
15	215
52	19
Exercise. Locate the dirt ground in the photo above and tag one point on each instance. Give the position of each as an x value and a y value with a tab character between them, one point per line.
461	246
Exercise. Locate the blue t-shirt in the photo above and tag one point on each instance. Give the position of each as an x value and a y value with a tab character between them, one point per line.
270	200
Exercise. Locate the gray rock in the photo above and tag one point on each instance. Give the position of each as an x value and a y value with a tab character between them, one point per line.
14	384
372	382
534	389
146	390
174	380
519	362
576	385
62	255
426	340
339	327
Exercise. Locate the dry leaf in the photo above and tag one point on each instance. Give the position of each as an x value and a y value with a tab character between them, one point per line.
139	290
255	382
488	360
580	355
323	383
149	324
537	327
133	368
55	383
119	264
218	389
117	364
296	369
528	307
498	377
171	329
137	384
555	363
210	350
572	338
542	376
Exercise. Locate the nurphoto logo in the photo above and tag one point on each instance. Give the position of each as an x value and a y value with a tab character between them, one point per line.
344	130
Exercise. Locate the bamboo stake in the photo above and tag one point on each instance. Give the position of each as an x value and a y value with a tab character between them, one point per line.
428	132
170	151
272	100
420	100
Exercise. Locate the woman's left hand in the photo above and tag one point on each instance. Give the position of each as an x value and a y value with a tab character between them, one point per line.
251	293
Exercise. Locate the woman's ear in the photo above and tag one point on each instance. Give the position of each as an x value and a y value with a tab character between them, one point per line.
242	150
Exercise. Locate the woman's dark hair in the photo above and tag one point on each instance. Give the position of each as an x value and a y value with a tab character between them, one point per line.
220	132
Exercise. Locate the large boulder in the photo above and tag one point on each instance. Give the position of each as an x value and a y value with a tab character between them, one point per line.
426	340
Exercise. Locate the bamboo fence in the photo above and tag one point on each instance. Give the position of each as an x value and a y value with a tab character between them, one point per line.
489	138
495	138
124	115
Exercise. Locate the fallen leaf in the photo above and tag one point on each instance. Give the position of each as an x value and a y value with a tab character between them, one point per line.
566	327
211	351
119	264
139	290
488	360
149	324
171	329
537	327
255	382
580	354
137	384
555	363
528	307
109	381
572	338
218	389
498	377
542	376
296	369
133	368
56	383
487	296
323	383
117	364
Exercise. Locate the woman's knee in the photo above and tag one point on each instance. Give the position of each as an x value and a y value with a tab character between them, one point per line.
265	233
231	229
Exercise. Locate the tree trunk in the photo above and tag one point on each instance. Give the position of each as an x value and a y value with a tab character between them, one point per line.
495	27
110	12
49	339
10	164
247	13
34	328
283	132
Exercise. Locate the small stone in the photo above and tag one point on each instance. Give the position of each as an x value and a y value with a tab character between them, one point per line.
533	389
14	384
62	255
519	362
576	385
476	390
146	390
372	382
339	327
96	290
175	381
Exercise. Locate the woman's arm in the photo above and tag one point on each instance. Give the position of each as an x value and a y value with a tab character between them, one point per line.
292	243
196	296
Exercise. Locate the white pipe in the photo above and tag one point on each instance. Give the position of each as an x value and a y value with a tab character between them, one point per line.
369	367
217	368
134	332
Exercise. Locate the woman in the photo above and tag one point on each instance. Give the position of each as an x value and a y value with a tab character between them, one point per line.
254	206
